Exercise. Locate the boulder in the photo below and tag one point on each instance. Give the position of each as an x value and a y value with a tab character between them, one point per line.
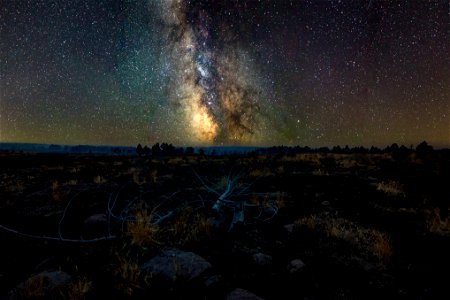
45	285
241	294
218	224
212	282
176	265
95	226
289	228
295	266
262	259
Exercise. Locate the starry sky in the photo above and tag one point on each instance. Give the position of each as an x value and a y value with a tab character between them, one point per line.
235	72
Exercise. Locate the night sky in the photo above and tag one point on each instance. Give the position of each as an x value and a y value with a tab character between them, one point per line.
235	72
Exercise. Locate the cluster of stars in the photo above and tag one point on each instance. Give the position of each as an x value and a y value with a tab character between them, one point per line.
203	72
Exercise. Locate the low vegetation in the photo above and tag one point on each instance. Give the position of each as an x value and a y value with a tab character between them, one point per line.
315	225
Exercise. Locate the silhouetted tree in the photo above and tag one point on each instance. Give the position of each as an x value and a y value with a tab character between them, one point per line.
290	152
139	150
424	149
171	149
401	154
179	151
324	150
361	149
403	149
394	147
201	151
189	151
146	150
156	150
167	149
164	148
297	149
374	149
346	150
336	149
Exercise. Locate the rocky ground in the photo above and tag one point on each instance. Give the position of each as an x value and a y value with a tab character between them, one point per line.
306	226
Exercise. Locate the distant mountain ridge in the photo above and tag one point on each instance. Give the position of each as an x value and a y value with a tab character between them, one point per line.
75	149
109	150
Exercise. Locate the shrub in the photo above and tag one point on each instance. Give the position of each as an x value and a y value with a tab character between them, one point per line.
140	229
128	274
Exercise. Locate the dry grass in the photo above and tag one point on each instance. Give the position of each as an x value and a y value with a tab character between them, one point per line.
348	163
99	179
44	286
434	222
320	172
312	158
79	289
370	241
310	222
141	230
33	288
15	186
153	176
191	226
72	182
259	172
392	188
221	184
56	193
75	170
382	246
175	161
138	179
280	200
128	273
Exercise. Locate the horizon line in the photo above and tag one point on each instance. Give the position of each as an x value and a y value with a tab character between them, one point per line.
437	147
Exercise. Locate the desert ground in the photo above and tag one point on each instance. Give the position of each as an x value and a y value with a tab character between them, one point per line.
303	226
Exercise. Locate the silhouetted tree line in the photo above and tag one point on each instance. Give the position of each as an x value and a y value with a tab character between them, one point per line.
166	149
422	149
159	150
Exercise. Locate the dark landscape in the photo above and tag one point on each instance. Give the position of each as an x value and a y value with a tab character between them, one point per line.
276	223
238	149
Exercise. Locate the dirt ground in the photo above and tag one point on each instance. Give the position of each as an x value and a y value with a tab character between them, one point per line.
305	226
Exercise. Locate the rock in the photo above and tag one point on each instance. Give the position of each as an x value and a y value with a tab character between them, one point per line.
240	248
217	224
212	281
289	228
295	265
95	226
176	265
241	294
262	259
45	285
95	219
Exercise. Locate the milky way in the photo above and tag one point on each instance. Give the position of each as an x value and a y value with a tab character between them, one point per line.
235	72
212	83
